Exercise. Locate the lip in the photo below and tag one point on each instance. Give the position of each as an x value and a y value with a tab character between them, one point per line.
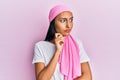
67	30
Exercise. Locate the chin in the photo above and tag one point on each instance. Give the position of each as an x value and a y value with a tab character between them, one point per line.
66	34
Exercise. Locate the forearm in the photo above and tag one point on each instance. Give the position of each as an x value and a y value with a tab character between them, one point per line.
84	77
48	71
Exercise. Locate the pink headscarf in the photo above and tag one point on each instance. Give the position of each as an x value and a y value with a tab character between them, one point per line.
69	58
56	11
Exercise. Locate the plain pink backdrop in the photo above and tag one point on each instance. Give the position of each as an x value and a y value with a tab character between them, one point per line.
25	22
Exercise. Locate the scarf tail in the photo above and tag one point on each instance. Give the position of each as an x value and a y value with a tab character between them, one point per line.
70	59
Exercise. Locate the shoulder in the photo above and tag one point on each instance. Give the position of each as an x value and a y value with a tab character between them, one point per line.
44	45
40	43
79	42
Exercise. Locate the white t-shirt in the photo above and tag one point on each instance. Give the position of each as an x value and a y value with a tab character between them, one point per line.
44	51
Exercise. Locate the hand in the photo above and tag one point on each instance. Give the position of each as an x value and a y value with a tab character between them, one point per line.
59	41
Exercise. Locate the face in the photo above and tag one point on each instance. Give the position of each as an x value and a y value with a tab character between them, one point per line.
64	23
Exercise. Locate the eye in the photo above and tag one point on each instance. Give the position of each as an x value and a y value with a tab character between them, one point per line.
71	20
62	20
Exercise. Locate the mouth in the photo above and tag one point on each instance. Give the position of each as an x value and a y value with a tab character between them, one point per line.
67	30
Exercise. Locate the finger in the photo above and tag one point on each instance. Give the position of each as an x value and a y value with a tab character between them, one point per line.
61	42
59	39
58	35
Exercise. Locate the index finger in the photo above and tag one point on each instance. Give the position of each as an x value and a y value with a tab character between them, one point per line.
58	35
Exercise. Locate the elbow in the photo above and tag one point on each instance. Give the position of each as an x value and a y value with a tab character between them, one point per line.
89	77
86	77
40	77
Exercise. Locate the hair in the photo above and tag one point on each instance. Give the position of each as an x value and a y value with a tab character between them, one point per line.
51	31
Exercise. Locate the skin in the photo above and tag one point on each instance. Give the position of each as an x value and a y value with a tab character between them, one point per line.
64	21
63	27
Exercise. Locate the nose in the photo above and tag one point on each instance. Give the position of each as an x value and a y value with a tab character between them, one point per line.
68	24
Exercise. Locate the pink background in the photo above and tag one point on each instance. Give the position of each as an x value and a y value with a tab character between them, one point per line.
25	22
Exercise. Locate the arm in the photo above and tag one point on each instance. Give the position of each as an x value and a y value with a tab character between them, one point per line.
86	72
45	73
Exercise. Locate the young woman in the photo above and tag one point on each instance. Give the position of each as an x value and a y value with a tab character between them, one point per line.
60	56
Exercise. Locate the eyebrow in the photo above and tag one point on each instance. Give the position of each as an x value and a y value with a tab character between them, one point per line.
71	17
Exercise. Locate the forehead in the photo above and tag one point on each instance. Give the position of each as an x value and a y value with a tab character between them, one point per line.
65	14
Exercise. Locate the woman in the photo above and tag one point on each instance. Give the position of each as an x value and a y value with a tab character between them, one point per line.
60	56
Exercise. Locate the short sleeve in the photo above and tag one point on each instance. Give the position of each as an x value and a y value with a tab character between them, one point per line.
38	55
83	55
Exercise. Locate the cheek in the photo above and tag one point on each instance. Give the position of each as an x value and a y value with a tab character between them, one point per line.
71	25
59	27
